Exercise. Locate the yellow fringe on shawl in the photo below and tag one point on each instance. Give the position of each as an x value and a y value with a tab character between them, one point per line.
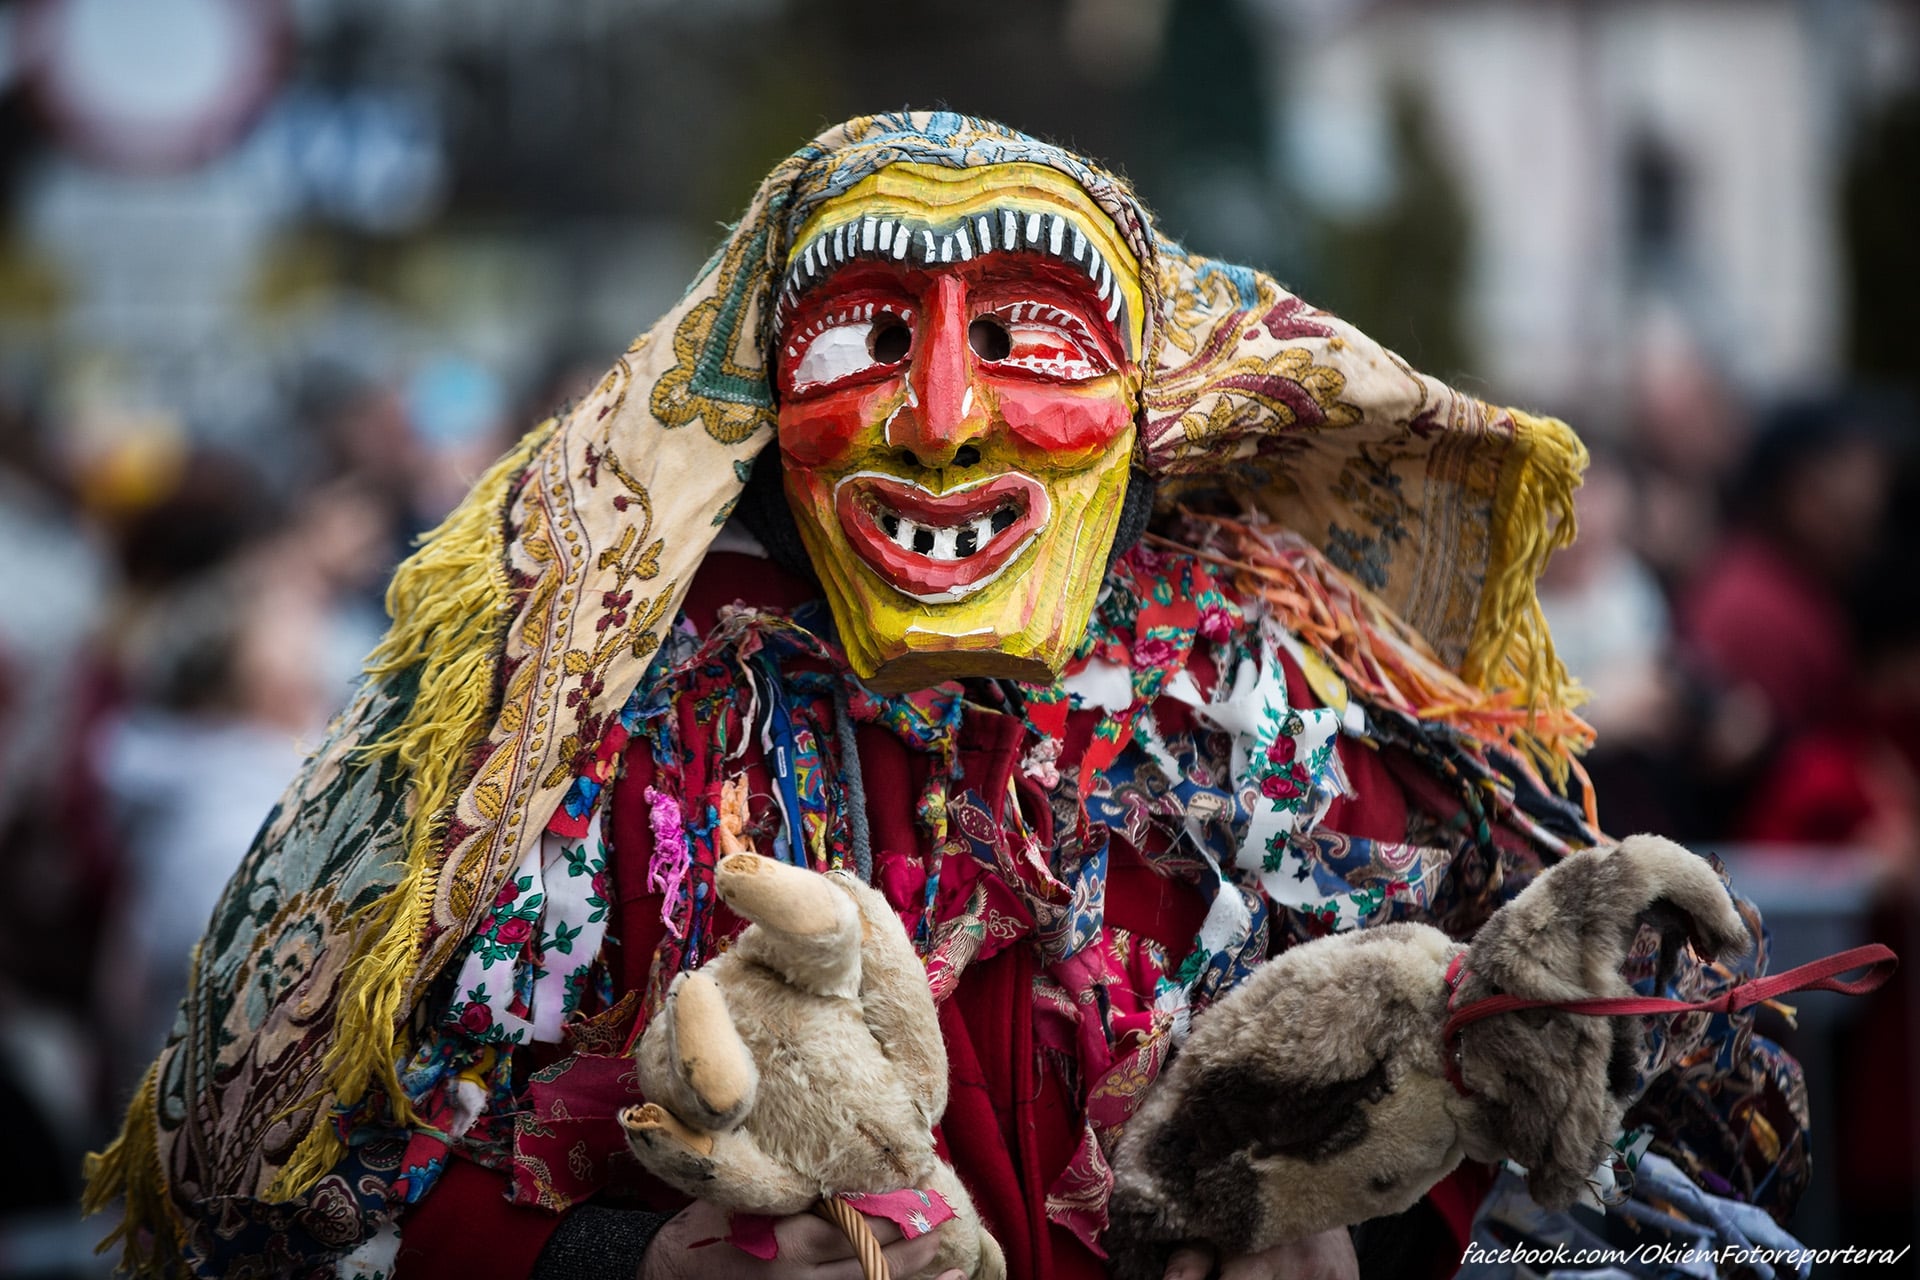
448	604
149	1234
1511	688
1533	517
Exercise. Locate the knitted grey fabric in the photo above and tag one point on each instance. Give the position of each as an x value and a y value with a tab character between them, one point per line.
597	1243
856	786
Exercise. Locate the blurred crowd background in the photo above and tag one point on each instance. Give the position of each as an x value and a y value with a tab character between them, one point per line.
278	277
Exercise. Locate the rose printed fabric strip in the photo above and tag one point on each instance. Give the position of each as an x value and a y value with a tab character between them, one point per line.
1287	772
528	967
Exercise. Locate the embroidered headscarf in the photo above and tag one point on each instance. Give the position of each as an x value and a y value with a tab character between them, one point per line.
526	620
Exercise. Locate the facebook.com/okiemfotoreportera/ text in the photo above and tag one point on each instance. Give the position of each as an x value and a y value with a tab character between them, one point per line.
1680	1255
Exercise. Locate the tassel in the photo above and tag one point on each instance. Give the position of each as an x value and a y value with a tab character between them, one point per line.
129	1169
448	602
1532	518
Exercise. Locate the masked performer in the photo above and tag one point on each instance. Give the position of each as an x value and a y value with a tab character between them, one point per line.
1122	618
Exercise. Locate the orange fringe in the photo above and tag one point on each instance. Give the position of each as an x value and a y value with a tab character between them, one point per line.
1374	651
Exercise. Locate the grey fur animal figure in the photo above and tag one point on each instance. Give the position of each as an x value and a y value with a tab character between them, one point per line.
1315	1096
803	1062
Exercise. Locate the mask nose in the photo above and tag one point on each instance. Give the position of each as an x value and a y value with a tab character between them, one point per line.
943	415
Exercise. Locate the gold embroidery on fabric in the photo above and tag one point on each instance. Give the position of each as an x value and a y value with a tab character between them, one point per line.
704	347
1248	407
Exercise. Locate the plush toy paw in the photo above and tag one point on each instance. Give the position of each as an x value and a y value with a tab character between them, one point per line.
781	898
710	1060
655	1127
806	929
1549	1088
728	1168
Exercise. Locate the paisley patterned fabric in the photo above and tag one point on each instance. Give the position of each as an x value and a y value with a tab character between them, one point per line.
564	570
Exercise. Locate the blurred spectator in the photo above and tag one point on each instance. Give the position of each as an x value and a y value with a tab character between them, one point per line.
242	635
1688	431
1852	776
1612	627
338	546
190	769
1609	617
1853	781
54	580
57	580
1768	611
364	437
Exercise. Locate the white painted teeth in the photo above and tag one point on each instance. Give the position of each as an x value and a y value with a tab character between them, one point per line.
953	543
878	237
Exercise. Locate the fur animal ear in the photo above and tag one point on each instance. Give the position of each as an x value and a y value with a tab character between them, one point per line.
1566	936
1684	898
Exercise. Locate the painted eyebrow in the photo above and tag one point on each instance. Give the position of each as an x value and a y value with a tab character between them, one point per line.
995	231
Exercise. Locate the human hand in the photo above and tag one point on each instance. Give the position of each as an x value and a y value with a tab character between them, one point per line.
1327	1256
810	1249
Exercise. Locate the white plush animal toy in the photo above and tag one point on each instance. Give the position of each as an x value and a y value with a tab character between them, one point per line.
803	1063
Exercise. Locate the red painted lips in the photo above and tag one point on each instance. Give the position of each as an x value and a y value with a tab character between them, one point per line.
939	548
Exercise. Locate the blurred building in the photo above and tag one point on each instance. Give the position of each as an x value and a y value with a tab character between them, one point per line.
375	182
1638	174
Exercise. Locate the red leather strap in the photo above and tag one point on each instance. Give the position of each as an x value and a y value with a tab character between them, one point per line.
1816	975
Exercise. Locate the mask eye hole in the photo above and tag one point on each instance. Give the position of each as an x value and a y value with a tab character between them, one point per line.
861	340
890	340
1056	343
989	339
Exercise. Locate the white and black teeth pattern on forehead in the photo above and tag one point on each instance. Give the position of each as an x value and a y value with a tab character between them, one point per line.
909	241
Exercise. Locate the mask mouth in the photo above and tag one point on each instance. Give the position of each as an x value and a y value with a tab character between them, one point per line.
939	548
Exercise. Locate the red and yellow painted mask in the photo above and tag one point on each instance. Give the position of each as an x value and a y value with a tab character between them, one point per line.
958	365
